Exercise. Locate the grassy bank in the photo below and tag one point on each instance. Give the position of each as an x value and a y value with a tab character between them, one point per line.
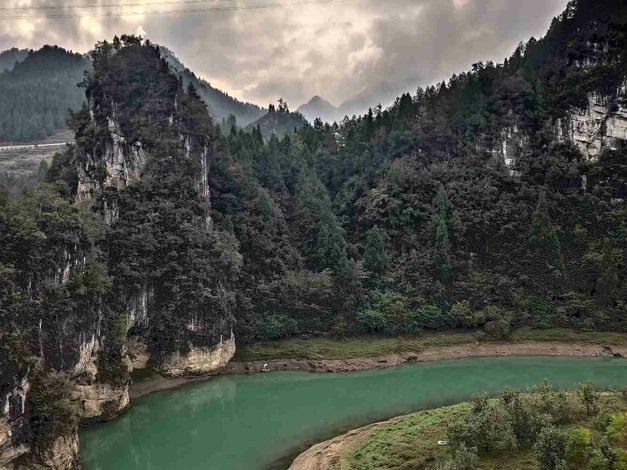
411	442
371	346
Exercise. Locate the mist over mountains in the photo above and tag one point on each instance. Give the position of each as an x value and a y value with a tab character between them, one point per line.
383	94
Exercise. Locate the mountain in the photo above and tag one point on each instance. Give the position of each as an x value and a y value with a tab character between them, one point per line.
385	94
220	104
318	107
492	202
277	123
10	57
37	93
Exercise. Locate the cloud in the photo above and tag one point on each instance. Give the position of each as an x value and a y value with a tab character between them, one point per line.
334	50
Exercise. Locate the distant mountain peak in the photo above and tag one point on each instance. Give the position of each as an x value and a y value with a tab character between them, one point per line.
318	107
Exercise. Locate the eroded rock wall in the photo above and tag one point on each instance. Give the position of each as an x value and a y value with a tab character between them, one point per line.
600	126
200	360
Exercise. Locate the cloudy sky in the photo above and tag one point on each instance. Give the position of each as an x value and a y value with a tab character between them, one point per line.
336	50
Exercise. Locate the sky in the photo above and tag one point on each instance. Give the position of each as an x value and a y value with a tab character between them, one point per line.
296	49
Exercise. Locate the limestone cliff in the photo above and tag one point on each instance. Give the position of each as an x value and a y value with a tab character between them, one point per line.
90	339
600	125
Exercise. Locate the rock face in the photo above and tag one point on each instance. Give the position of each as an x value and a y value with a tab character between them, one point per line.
111	156
510	147
200	360
600	126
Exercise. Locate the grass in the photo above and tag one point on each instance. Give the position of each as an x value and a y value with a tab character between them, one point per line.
372	346
333	348
410	442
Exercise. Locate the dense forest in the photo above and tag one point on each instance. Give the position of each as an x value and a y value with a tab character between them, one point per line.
403	220
38	92
160	224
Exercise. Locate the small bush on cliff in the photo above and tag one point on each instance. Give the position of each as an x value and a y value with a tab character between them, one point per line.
52	408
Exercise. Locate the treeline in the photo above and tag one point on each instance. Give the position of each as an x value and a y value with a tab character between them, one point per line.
38	92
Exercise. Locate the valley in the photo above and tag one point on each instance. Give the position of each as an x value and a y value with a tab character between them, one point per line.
189	280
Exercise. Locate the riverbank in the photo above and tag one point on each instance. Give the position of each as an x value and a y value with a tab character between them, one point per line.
337	453
357	354
228	417
411	441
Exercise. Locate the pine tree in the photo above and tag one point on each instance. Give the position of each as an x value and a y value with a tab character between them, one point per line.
374	253
544	237
445	222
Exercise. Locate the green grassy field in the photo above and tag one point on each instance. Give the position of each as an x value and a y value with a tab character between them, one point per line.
371	346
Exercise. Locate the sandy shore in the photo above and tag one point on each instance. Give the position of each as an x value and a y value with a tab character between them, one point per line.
430	354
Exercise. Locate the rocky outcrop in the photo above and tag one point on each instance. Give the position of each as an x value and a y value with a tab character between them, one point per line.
10	450
199	360
62	453
602	125
510	147
101	401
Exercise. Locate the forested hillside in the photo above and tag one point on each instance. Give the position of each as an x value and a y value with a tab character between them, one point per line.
492	201
489	202
10	57
38	92
221	105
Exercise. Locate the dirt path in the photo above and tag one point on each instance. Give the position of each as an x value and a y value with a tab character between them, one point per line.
429	354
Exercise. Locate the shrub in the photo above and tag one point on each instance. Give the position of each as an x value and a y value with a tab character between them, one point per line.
464	458
498	323
589	397
387	314
53	411
524	416
617	429
620	460
277	325
463	315
550	449
540	311
486	427
428	316
578	447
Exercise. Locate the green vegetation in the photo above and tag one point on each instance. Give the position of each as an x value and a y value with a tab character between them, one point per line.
408	442
317	348
542	429
404	222
37	93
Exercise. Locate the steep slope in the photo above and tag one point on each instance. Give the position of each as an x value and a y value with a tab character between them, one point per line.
10	57
133	271
37	93
491	201
220	104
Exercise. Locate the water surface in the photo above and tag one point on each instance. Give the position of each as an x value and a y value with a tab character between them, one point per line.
251	422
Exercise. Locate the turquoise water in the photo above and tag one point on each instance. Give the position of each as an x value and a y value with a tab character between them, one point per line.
253	422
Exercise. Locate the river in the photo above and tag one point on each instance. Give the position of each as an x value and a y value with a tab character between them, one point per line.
255	422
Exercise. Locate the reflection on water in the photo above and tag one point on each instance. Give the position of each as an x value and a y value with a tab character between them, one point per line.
248	422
